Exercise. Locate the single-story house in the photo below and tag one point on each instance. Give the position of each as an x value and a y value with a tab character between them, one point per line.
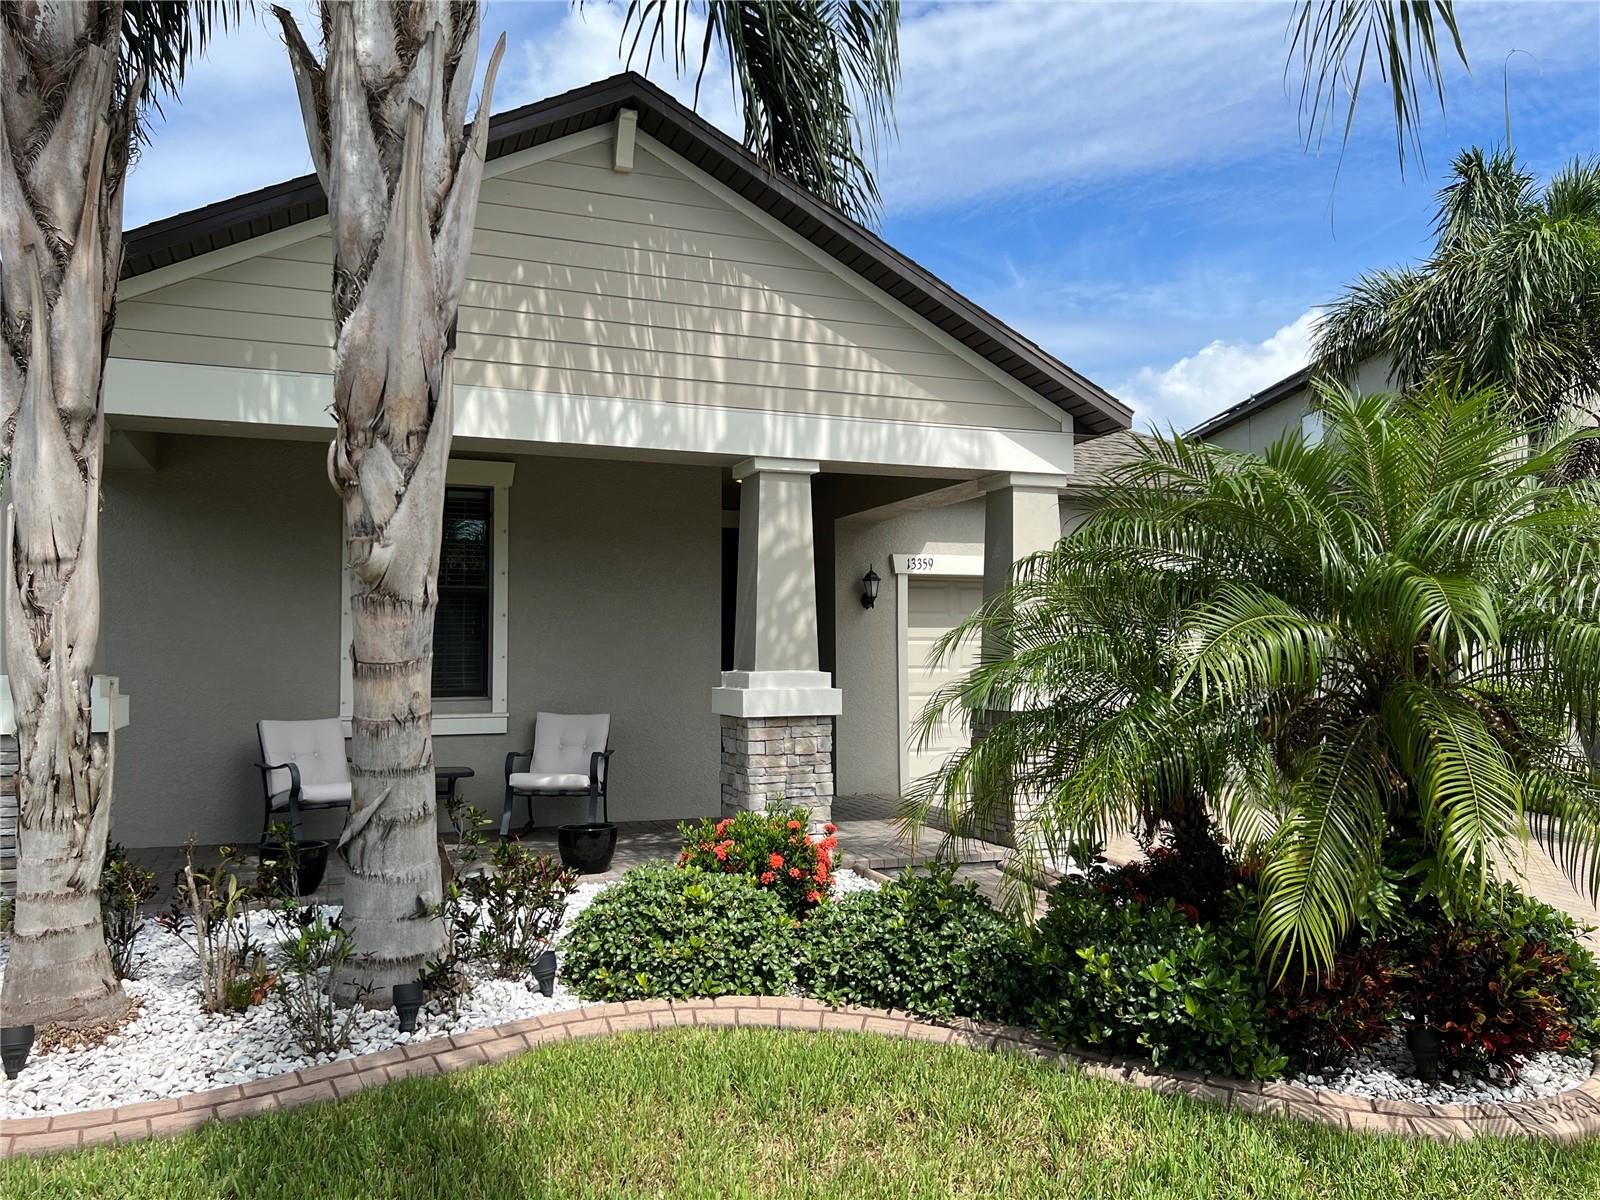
694	407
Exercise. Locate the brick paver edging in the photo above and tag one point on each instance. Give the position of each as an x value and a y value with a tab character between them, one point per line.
1567	1117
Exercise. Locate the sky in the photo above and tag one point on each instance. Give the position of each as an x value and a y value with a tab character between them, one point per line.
1127	184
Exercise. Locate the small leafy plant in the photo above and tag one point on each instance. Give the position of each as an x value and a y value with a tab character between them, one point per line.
124	890
206	915
771	847
309	957
662	932
519	901
924	943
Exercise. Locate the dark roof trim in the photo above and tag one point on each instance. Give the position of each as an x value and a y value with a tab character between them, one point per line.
1094	410
1266	397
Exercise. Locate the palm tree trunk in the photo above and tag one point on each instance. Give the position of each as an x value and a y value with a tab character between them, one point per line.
64	140
383	114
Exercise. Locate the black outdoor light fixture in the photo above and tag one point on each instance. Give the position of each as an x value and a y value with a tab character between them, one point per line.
15	1042
407	1000
869	588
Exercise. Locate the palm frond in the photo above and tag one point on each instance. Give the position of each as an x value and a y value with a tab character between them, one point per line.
815	80
161	38
1338	41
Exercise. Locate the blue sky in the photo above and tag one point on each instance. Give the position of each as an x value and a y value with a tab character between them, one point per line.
1125	183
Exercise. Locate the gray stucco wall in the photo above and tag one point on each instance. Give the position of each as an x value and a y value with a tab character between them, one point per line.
222	607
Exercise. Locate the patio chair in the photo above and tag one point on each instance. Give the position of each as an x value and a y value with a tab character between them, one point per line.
303	768
571	756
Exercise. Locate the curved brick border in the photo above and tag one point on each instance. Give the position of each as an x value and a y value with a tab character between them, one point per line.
1567	1117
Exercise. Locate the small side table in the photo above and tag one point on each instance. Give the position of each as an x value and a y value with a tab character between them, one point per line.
445	780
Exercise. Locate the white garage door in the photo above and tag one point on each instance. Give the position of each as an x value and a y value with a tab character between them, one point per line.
934	607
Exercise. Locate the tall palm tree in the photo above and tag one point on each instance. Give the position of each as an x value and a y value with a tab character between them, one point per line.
1509	296
1382	640
76	76
383	112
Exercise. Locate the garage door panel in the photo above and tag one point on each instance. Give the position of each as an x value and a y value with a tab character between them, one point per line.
933	608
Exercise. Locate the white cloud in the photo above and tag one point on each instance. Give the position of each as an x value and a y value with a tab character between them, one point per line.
1216	376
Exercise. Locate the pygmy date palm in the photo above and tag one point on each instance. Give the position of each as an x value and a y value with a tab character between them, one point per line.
1389	638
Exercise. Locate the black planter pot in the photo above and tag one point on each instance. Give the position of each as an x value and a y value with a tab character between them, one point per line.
313	858
544	973
408	1002
15	1042
1424	1047
588	847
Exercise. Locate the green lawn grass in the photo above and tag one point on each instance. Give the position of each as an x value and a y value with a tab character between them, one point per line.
769	1113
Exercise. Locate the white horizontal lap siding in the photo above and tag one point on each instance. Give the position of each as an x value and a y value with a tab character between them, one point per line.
583	281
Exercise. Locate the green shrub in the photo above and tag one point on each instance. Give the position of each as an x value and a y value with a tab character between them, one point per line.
679	933
1148	977
925	944
771	847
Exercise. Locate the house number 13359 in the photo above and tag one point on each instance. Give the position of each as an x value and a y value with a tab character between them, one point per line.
919	562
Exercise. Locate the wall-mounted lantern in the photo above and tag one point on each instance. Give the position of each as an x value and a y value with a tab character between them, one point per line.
869	588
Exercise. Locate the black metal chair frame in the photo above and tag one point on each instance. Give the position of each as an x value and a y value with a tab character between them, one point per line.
597	791
296	805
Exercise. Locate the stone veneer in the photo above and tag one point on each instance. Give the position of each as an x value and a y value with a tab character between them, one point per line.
1565	1118
767	758
9	760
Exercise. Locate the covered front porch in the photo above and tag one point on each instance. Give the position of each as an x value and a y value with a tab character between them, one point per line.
705	604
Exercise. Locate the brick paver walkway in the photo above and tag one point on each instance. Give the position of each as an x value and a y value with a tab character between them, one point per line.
1567	1117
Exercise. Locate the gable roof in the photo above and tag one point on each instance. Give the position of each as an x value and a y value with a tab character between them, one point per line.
228	222
1252	404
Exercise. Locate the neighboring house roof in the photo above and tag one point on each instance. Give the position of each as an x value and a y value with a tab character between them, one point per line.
1266	397
1094	410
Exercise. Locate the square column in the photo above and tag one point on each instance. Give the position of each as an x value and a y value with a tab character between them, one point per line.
777	708
1022	516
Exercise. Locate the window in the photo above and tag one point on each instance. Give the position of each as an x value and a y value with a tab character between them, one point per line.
462	625
470	645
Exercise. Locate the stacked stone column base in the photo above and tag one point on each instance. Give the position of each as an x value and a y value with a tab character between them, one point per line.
9	760
770	759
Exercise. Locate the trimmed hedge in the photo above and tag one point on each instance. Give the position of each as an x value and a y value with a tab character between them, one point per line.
925	944
680	933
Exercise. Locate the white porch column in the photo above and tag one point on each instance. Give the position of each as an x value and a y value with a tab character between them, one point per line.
777	708
1022	516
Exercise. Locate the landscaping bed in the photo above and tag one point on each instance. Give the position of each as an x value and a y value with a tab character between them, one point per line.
1152	965
172	1047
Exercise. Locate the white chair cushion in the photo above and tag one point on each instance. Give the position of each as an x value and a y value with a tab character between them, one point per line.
315	793
563	743
316	747
535	781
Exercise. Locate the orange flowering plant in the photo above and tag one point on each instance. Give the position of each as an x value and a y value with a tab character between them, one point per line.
773	847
